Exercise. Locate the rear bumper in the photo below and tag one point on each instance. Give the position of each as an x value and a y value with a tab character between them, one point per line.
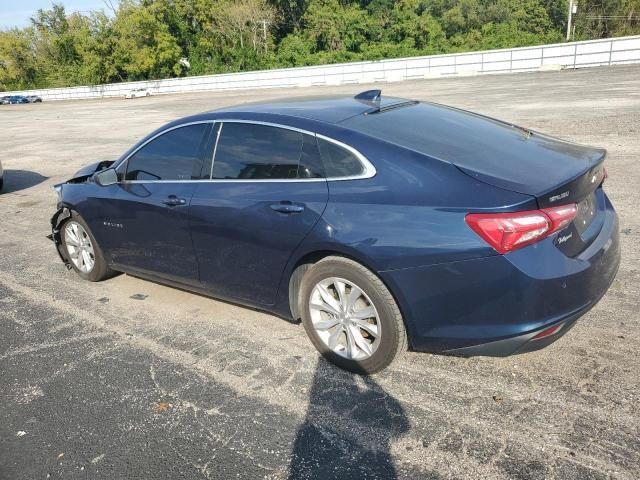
521	343
496	305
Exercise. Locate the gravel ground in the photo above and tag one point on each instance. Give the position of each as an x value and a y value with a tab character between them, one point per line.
97	384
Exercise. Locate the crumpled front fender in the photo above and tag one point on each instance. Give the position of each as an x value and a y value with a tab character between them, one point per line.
56	237
87	171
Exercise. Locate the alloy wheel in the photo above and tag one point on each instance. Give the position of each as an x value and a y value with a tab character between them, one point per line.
79	247
345	318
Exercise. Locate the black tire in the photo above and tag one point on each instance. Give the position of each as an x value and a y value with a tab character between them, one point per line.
100	270
393	340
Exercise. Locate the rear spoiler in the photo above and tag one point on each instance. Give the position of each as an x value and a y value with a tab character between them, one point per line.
577	189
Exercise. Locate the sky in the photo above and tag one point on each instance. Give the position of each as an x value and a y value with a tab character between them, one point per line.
16	13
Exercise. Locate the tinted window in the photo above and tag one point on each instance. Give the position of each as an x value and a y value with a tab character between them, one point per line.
338	161
172	156
310	162
249	151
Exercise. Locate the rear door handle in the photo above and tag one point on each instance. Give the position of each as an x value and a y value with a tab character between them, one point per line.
287	208
173	201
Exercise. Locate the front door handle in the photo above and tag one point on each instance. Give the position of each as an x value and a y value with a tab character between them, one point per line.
173	201
286	207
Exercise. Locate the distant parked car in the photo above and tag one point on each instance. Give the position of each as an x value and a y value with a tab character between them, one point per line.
4	100
138	92
34	99
18	99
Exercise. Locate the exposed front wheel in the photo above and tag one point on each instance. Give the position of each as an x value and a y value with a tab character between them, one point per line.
83	251
350	316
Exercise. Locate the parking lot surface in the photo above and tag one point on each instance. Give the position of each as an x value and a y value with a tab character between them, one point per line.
131	379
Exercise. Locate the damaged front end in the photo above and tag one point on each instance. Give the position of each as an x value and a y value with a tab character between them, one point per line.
85	173
64	212
55	236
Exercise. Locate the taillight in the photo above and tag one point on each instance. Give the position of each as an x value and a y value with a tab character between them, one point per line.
561	216
506	232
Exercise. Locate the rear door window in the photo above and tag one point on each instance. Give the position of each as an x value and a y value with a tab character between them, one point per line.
175	155
247	151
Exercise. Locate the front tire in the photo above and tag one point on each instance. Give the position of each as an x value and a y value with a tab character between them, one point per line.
83	252
350	316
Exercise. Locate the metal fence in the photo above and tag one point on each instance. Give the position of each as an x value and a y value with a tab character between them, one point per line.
611	51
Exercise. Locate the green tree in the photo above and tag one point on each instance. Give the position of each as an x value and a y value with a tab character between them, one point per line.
146	39
143	46
18	63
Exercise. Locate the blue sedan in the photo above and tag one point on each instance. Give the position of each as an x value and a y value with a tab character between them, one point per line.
15	99
382	223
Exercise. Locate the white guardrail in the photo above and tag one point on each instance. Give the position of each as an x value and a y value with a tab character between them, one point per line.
611	51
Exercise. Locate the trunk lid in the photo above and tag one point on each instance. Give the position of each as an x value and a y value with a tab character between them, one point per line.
552	170
555	173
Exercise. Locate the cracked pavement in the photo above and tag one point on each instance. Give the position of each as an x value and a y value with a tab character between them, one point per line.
168	384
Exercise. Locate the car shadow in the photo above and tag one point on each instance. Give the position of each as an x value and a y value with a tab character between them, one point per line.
347	433
16	180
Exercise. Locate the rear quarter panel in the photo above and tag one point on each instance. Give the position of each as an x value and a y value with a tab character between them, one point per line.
411	213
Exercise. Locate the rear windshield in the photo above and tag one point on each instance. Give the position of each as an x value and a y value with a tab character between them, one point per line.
499	153
432	130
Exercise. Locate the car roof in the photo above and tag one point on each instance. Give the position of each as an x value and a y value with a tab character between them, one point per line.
329	109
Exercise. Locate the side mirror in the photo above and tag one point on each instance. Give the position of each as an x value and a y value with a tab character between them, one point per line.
107	177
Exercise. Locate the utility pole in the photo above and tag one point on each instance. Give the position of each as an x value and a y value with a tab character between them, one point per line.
573	8
264	34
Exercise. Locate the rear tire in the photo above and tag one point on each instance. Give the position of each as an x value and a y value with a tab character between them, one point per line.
350	316
83	252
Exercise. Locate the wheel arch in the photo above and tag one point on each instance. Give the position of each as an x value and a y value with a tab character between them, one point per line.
59	218
307	260
299	268
64	213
